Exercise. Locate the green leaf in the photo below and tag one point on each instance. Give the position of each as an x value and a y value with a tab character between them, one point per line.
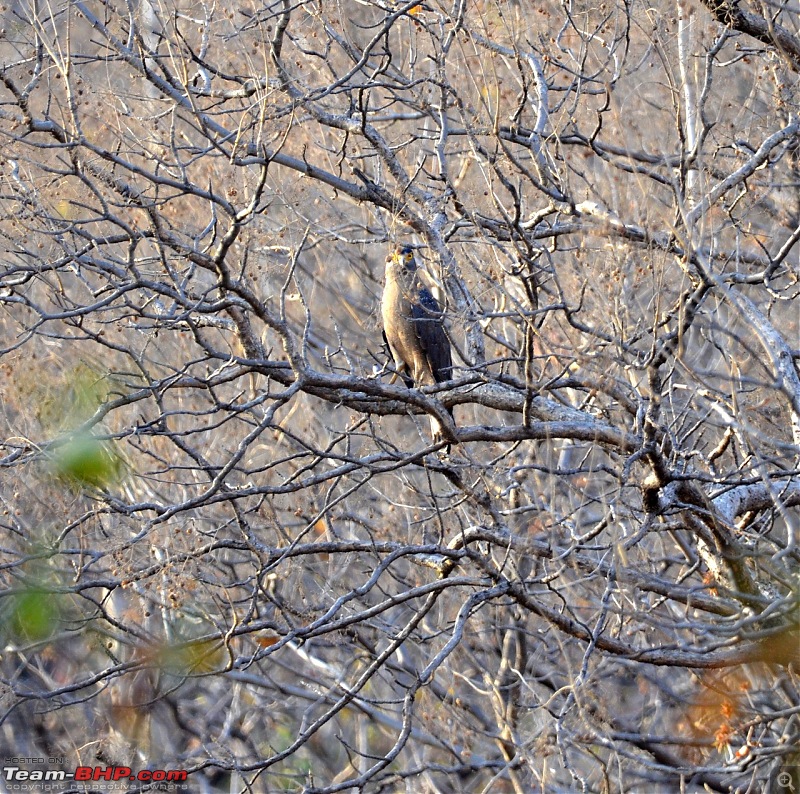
33	615
87	460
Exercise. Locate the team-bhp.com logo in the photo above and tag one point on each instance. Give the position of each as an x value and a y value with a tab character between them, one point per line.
17	775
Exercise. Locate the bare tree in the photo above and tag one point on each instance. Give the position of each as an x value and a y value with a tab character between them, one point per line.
231	545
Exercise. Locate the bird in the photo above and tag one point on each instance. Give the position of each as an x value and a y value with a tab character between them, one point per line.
413	328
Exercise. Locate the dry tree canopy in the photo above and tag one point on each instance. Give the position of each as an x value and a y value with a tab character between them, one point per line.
229	544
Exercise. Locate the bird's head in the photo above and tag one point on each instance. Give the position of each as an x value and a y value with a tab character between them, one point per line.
404	255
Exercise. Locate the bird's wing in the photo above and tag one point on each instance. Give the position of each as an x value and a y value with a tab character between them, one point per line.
427	318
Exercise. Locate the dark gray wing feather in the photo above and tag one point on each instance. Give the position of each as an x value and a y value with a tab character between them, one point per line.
427	318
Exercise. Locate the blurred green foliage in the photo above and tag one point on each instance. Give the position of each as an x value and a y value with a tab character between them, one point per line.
87	460
31	616
81	457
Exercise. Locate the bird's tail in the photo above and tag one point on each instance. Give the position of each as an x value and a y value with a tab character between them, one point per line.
439	432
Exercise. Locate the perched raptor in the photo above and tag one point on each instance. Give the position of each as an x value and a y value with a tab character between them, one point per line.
413	327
